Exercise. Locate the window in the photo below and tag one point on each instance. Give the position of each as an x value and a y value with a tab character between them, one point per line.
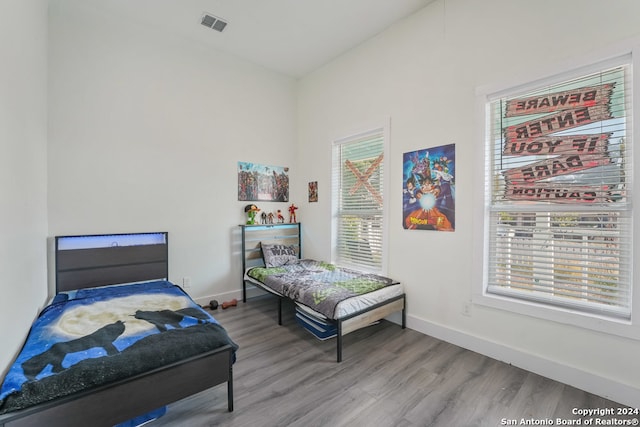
558	228
358	201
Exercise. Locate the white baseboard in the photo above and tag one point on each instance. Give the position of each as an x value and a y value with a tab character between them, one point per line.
600	386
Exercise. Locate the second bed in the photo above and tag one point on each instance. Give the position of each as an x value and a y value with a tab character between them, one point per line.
331	301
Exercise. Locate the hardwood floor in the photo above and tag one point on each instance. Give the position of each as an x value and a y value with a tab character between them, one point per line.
388	377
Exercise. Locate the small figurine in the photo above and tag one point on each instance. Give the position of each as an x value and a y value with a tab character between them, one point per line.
263	218
292	213
251	214
270	217
280	217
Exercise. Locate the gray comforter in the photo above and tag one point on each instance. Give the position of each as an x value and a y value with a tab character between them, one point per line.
318	285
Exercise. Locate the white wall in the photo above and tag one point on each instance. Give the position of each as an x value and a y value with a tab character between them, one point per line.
23	168
146	130
423	73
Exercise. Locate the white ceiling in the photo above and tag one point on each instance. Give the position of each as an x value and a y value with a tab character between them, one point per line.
293	37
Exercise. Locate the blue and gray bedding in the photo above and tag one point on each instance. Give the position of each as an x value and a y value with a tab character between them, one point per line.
92	337
318	285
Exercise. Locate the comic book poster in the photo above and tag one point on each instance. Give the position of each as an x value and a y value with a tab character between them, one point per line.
429	197
262	183
313	191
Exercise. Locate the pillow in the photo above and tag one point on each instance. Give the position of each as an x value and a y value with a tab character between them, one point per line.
277	255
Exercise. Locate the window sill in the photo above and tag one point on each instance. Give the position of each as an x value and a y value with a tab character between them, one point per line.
591	321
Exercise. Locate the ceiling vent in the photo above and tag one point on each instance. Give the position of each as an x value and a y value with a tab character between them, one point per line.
213	22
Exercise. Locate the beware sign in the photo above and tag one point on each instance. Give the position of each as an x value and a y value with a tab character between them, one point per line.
560	155
575	98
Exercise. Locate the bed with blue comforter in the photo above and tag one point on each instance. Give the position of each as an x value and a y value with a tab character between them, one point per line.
91	337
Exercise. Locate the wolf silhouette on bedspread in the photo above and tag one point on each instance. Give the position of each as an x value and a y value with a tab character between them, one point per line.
103	337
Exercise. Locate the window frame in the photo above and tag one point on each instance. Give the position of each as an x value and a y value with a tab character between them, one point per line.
560	72
362	131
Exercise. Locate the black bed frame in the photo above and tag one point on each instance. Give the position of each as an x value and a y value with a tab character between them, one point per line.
125	399
290	234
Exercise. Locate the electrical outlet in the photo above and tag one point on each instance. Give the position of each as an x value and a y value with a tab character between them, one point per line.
186	282
466	309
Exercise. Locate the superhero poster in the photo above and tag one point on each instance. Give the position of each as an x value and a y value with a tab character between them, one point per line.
429	201
258	182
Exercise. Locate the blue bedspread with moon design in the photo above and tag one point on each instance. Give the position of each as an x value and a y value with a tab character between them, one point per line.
91	337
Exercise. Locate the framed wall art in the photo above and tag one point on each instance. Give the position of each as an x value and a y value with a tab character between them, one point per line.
313	191
262	183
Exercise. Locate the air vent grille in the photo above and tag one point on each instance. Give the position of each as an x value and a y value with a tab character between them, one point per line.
213	22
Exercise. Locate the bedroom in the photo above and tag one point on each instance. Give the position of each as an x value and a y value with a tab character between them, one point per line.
111	126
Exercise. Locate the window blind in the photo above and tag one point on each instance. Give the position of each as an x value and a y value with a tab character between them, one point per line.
358	201
558	191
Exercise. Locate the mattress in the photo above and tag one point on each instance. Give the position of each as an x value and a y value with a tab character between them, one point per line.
319	328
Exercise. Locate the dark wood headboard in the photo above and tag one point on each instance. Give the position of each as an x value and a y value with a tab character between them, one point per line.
104	259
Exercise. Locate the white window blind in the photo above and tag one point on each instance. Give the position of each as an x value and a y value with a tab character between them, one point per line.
358	167
558	192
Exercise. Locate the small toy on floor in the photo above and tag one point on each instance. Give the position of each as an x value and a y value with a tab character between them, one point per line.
213	305
228	304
